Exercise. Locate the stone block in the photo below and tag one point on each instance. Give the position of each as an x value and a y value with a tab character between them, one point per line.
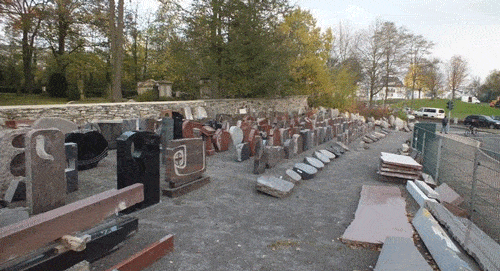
314	162
298	143
416	193
187	113
328	154
71	171
447	194
236	135
273	186
138	161
292	176
444	251
305	171
320	156
400	253
10	216
110	130
274	155
426	189
45	170
222	140
200	113
185	161
242	152
64	125
12	158
289	147
307	139
166	134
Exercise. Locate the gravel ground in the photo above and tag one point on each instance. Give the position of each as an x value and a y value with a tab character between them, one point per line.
228	225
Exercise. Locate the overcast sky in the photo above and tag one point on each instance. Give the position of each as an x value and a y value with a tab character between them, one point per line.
470	28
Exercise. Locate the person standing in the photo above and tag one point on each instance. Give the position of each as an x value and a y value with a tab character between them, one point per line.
444	125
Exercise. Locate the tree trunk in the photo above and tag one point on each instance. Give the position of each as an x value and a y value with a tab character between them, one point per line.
116	36
27	68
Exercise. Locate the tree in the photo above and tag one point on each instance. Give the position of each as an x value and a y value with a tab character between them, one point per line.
310	48
370	50
414	79
456	73
393	41
26	17
418	49
490	90
116	24
432	78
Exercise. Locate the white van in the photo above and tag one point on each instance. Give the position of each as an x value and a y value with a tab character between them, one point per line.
470	99
430	112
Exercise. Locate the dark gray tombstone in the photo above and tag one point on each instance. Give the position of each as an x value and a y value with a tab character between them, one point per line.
274	155
16	191
130	125
260	157
110	130
288	147
45	175
71	150
138	161
307	139
166	134
305	171
314	162
242	152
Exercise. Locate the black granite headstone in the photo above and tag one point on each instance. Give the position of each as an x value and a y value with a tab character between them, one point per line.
92	147
138	161
305	171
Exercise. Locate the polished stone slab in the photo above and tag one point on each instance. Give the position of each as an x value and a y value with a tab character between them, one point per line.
305	171
273	186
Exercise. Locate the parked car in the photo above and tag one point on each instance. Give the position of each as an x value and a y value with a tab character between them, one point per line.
482	121
430	112
495	117
470	99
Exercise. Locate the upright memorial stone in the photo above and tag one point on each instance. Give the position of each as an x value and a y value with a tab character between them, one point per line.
12	161
260	157
92	147
298	143
222	140
45	175
71	150
138	161
188	114
185	165
200	113
236	135
178	119
110	129
242	152
166	134
66	126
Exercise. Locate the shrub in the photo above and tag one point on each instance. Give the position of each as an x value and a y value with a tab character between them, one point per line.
58	85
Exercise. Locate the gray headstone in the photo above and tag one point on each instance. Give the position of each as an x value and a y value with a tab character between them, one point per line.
305	171
274	155
130	125
328	154
45	175
188	114
12	158
307	139
166	134
289	147
314	162
236	135
200	113
292	176
111	130
71	150
273	186
323	158
298	144
66	126
10	216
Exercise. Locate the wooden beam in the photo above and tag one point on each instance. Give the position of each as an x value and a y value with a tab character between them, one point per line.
147	256
39	230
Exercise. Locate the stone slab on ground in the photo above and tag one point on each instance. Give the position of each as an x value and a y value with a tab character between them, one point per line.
429	180
400	253
444	251
186	188
479	245
426	189
306	171
328	154
399	160
320	156
292	176
314	162
381	213
273	186
447	194
416	193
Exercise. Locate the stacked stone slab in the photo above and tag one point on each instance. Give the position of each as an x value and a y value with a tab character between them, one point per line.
399	166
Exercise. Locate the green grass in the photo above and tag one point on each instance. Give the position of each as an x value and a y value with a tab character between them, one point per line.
460	110
37	99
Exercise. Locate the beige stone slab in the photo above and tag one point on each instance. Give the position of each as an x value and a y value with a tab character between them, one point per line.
402	160
381	213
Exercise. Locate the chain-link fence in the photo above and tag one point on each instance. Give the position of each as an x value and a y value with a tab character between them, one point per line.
470	166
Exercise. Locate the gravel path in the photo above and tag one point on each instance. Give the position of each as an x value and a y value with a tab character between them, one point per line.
228	225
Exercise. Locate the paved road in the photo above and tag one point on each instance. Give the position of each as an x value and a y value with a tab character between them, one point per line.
227	225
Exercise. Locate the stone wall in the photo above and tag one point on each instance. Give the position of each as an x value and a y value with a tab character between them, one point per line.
83	113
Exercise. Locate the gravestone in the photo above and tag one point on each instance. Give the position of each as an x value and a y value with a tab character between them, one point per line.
110	130
200	113
185	161
188	126
284	135
138	161
166	134
188	115
12	161
292	176
178	120
71	151
274	155
314	162
307	139
130	125
222	140
148	124
316	136
288	147
242	152
236	135
64	125
323	158
298	143
328	154
45	174
305	171
92	147
274	186
260	157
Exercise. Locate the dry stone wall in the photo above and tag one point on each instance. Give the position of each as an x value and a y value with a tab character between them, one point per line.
83	113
